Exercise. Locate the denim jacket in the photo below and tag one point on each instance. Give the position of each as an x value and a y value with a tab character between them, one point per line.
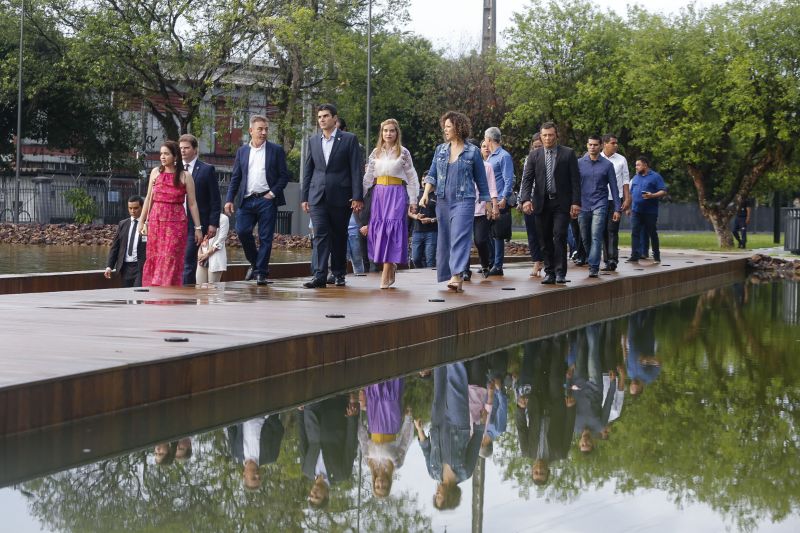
471	173
453	446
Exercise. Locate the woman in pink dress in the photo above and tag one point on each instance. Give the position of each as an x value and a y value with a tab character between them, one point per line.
164	219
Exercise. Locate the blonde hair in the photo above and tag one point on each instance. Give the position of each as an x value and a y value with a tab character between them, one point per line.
398	146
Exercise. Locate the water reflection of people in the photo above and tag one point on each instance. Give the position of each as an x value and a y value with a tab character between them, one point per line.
640	351
255	443
592	408
543	417
328	432
451	448
387	435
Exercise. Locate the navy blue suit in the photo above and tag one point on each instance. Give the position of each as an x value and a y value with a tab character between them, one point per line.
328	188
257	208
206	191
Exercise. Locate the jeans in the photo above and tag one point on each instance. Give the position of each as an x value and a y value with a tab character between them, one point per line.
644	223
263	212
454	240
611	237
593	225
354	253
423	249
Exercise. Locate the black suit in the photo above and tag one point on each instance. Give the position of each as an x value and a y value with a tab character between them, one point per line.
552	215
323	427
206	192
130	273
328	188
269	442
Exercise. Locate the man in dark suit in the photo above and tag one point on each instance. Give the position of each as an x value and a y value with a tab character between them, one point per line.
551	190
328	432
128	251
206	191
332	190
257	182
254	443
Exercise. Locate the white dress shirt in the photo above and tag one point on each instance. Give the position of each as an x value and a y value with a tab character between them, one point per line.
327	144
132	258
251	439
257	170
621	170
190	165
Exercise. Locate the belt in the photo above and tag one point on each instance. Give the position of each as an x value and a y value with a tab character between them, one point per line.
256	195
552	196
389	180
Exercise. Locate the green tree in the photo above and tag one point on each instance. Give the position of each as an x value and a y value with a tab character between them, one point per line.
716	94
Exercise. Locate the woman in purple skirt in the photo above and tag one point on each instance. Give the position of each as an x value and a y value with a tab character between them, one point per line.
387	437
391	171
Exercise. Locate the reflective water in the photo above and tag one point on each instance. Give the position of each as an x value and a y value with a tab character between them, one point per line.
22	259
678	418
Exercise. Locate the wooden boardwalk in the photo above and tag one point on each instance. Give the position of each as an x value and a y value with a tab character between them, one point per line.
71	355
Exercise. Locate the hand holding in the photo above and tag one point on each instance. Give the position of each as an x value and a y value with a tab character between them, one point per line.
228	210
615	216
527	207
423	202
303	206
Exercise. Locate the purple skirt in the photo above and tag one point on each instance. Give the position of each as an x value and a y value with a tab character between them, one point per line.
385	407
387	239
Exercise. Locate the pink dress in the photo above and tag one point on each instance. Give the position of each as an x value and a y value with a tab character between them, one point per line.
166	234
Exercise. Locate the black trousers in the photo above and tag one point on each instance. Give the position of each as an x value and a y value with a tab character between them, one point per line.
551	228
611	236
481	235
330	239
130	274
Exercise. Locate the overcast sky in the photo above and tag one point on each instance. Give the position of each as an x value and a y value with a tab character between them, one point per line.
456	24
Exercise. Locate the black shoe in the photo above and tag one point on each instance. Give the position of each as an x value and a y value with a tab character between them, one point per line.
632	260
331	279
561	279
496	271
549	279
581	262
592	273
251	274
339	281
261	279
467	275
612	266
607	268
656	258
485	273
315	283
645	256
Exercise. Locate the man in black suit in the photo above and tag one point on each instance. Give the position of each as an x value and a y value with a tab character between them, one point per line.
206	191
328	432
332	190
551	190
254	443
257	182
128	251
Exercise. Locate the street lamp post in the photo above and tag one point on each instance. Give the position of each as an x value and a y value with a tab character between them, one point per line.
369	71
16	207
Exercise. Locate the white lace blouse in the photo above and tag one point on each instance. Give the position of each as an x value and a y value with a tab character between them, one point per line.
387	164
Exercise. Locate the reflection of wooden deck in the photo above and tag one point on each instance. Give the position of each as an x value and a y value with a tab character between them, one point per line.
70	355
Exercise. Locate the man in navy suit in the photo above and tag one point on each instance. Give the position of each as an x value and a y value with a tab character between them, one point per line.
257	182
206	190
332	190
129	249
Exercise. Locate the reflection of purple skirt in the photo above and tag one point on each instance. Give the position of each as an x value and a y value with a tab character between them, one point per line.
387	239
385	406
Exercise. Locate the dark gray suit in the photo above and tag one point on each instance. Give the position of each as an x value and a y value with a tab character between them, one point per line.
323	427
130	273
552	214
328	188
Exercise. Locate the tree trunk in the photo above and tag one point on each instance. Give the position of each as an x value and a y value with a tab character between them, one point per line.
721	220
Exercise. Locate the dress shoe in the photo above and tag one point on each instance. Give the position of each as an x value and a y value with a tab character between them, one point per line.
581	262
549	279
261	279
561	279
315	283
496	271
607	268
592	273
339	281
331	279
485	273
251	274
467	275
632	260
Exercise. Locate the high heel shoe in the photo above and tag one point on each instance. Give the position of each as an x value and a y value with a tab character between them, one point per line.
384	280
455	284
536	271
392	273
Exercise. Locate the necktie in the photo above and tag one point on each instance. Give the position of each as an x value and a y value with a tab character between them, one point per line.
132	237
548	167
186	167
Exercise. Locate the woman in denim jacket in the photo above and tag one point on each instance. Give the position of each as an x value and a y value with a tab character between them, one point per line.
456	170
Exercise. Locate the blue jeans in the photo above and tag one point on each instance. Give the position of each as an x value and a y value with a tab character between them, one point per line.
354	253
644	223
593	226
264	213
423	249
454	237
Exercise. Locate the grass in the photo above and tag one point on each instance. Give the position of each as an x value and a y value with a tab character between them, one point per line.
693	240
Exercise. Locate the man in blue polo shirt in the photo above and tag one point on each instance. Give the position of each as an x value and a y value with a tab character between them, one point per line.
503	166
597	178
646	190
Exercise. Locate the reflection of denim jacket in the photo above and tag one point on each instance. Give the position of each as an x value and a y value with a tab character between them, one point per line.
470	173
454	446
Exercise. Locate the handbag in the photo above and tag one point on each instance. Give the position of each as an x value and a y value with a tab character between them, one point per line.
501	226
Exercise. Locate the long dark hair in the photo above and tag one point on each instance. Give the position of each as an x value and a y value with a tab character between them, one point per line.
175	150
